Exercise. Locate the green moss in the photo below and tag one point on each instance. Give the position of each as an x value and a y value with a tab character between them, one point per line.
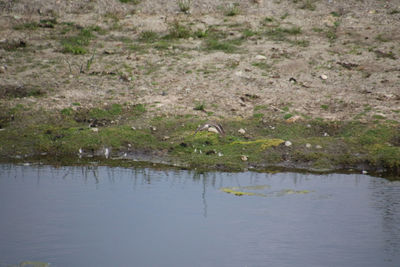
261	143
236	193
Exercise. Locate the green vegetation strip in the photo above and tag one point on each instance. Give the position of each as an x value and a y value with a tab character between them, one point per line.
314	144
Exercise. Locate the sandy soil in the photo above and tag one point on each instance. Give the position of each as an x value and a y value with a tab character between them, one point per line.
343	65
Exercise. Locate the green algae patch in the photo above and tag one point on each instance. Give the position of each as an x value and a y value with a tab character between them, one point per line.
262	143
292	192
235	192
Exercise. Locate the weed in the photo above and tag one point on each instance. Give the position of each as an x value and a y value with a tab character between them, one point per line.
232	10
200	106
184	5
325	107
148	36
133	2
287	116
284	16
258	115
308	4
177	31
76	44
381	38
394	11
26	26
225	46
280	34
261	65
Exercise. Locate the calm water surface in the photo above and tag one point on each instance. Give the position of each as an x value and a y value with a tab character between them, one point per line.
101	216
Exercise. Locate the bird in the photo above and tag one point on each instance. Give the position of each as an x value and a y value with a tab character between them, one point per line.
217	128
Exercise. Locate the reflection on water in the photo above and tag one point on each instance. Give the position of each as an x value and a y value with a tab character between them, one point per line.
100	216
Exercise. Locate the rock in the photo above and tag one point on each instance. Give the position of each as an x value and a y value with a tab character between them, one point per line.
293	119
323	77
326	134
288	143
364	172
292	80
308	145
261	57
220	154
133	128
95	129
241	131
244	158
318	147
153	129
239	74
165	138
2	69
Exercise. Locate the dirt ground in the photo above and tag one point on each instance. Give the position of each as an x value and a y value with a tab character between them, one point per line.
336	60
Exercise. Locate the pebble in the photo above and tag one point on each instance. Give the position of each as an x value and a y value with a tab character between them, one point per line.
2	69
241	131
95	129
364	172
318	146
165	138
220	154
153	128
261	57
244	158
133	128
71	76
288	143
323	77
308	145
326	134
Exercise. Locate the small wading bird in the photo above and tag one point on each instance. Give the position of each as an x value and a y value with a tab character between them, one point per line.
211	127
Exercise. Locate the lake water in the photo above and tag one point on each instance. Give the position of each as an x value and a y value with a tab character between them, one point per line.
102	216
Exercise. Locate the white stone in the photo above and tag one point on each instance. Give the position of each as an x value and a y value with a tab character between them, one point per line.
241	131
244	158
323	77
318	147
261	57
364	172
95	130
308	145
326	134
288	143
220	154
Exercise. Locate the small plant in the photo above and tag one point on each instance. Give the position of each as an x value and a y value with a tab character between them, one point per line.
177	31
261	65
258	115
232	10
200	106
184	5
225	46
381	38
308	4
394	11
148	36
287	116
133	2
324	107
26	26
76	44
